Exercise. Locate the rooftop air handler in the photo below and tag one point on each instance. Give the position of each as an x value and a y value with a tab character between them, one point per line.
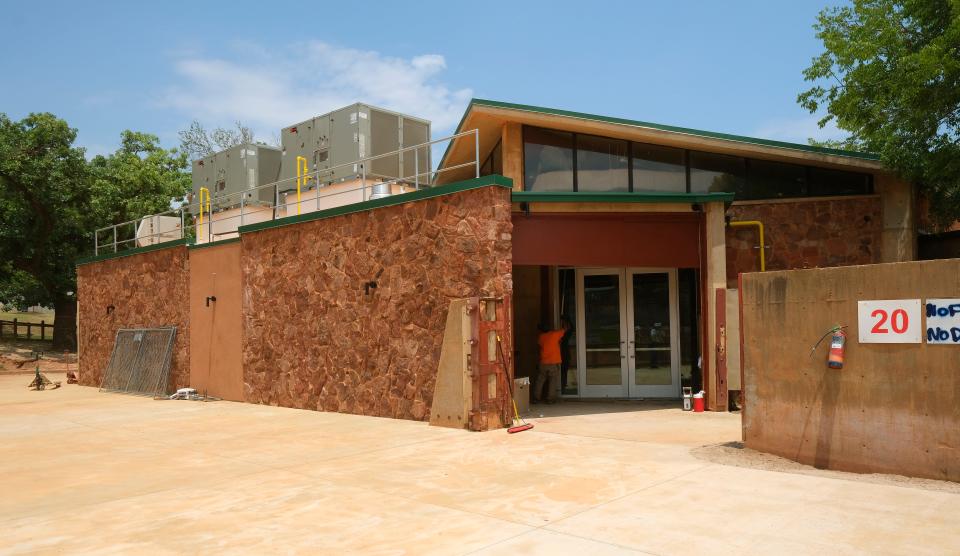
333	143
231	176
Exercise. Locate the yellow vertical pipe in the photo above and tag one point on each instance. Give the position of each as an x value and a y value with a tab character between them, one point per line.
200	224
300	177
759	225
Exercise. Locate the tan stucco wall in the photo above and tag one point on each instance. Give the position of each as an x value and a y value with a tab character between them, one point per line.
892	408
215	331
715	277
512	149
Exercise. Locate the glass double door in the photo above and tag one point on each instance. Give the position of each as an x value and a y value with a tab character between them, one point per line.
628	341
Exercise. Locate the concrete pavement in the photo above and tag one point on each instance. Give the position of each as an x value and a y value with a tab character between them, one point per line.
82	471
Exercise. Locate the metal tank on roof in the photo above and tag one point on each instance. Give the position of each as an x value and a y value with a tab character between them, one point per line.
334	142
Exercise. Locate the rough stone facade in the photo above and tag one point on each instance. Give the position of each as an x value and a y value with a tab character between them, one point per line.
318	335
805	234
146	290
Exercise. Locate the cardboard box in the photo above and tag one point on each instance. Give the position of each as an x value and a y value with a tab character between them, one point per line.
521	394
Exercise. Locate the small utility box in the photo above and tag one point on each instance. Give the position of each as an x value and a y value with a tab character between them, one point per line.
521	394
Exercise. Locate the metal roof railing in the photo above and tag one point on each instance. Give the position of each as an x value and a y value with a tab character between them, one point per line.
194	220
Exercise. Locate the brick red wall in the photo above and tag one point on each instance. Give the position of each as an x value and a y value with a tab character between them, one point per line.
805	234
147	290
314	339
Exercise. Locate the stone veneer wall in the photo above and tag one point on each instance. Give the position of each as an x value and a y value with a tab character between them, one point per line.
315	338
147	290
805	234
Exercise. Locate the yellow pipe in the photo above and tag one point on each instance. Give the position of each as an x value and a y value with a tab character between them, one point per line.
759	226
301	175
200	225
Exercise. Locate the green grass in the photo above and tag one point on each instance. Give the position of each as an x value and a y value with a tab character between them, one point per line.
23	318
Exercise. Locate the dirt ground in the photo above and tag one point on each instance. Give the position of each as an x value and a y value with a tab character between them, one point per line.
735	453
84	471
16	356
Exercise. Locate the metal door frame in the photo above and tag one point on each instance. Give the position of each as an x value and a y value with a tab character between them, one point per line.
599	391
671	390
627	387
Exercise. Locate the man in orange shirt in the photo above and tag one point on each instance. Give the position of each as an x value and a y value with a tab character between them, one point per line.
550	360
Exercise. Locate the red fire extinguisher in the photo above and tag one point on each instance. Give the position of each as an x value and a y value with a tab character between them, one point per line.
835	359
838	338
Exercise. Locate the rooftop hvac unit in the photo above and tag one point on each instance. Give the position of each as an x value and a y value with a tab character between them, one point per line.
334	142
231	175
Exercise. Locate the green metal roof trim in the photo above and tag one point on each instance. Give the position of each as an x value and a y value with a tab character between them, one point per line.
618	197
438	191
660	127
131	252
214	243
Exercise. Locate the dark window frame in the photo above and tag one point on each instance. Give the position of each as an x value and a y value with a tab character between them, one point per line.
869	181
684	160
492	159
576	156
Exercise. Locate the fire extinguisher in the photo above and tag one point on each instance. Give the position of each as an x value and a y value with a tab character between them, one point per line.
838	339
835	358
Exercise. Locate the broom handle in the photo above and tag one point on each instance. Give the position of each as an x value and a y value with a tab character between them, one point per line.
503	363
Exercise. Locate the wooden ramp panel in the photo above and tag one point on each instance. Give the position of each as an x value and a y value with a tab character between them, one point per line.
471	391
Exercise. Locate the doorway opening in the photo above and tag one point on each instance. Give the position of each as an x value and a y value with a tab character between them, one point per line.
634	334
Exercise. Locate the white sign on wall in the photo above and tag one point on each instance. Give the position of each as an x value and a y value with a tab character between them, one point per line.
943	321
889	321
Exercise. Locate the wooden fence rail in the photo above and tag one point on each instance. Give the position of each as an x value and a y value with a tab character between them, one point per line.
12	328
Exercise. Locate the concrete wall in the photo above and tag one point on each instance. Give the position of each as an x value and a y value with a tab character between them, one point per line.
216	328
893	408
899	219
806	234
316	338
146	290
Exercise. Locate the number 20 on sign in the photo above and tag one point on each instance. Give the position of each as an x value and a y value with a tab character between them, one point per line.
889	321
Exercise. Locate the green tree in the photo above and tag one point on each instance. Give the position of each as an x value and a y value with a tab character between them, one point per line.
140	178
890	76
17	287
52	200
43	222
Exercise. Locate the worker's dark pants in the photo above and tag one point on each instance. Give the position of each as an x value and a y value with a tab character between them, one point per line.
549	376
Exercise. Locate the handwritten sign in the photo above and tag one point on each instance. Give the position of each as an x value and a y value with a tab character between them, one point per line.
889	321
943	321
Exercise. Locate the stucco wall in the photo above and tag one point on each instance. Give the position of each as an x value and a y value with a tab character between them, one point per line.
146	290
216	328
315	338
893	408
806	234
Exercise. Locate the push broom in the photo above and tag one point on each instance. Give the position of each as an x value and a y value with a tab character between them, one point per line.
525	426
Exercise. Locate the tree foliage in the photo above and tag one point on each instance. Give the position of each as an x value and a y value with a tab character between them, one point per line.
44	200
890	76
140	178
198	142
52	200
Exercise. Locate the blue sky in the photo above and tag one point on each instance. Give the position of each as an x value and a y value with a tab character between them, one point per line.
733	67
